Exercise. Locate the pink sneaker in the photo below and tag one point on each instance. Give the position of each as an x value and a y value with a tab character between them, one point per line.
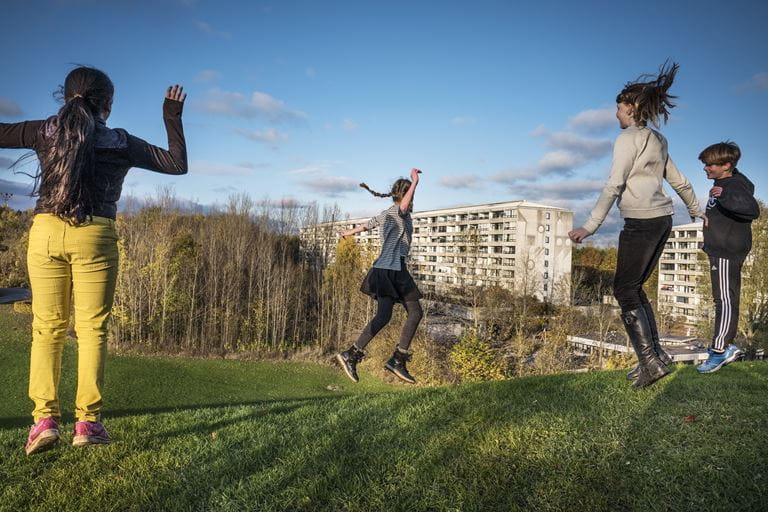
90	432
42	436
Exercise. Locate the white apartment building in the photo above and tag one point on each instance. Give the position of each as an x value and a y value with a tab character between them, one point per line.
679	272
518	245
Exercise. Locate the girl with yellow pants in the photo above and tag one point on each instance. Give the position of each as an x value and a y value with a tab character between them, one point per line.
72	257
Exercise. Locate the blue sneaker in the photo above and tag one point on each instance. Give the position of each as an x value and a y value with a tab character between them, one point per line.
732	353
716	361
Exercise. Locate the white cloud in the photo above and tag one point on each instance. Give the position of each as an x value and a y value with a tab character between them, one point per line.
268	136
9	108
206	28
258	106
594	120
348	125
467	181
208	75
562	190
330	186
220	169
463	121
316	168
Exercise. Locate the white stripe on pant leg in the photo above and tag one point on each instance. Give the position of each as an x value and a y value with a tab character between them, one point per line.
721	283
725	301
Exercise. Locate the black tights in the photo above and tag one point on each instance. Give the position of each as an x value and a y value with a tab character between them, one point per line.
384	315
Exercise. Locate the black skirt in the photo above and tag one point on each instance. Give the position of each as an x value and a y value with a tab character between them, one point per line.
398	284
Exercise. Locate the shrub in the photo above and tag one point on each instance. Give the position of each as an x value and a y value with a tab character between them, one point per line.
474	360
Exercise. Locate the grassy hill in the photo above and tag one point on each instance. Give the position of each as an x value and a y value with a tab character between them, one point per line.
232	435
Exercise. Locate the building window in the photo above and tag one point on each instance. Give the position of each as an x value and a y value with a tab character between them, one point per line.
546	263
546	252
546	239
548	215
546	227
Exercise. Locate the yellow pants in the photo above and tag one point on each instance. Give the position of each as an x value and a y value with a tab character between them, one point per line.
70	262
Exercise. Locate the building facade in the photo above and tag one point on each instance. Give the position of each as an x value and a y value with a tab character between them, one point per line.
680	270
518	245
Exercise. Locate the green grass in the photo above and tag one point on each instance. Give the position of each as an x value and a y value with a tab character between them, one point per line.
232	435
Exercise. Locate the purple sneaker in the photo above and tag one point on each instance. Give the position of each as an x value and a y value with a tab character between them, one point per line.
90	432
42	436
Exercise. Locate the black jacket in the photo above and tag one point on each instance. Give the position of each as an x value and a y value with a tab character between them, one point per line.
116	152
729	230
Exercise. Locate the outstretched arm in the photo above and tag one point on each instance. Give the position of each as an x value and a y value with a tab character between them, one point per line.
684	189
624	154
405	202
153	158
20	135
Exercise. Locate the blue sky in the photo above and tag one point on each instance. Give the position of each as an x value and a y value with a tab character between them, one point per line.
494	100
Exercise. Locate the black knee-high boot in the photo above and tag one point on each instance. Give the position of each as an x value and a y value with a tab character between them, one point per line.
660	353
640	334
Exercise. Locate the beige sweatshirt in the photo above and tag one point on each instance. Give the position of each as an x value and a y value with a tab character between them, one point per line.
640	165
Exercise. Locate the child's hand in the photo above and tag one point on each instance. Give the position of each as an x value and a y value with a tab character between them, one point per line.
175	93
415	175
715	191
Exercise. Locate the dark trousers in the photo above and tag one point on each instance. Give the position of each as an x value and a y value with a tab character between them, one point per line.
726	289
640	245
384	315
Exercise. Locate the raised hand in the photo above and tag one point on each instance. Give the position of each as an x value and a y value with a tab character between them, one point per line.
415	175
175	93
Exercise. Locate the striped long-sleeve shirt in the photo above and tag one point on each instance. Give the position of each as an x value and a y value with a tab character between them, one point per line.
395	230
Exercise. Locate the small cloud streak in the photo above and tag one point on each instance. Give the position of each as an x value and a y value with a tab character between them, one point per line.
206	28
463	121
270	136
9	108
593	120
258	106
348	125
461	182
208	75
310	72
203	167
760	81
330	186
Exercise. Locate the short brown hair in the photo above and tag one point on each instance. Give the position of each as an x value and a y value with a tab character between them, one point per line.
721	153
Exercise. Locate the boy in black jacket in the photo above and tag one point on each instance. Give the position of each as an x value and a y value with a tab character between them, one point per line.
727	241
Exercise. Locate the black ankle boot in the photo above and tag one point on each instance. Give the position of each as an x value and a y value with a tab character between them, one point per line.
660	353
396	365
639	332
348	361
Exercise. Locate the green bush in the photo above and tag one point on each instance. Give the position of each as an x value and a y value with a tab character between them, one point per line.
474	360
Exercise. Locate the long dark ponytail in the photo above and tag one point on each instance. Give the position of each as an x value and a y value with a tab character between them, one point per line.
648	95
67	156
399	188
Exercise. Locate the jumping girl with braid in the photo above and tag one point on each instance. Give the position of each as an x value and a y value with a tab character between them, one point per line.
389	281
641	164
72	256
